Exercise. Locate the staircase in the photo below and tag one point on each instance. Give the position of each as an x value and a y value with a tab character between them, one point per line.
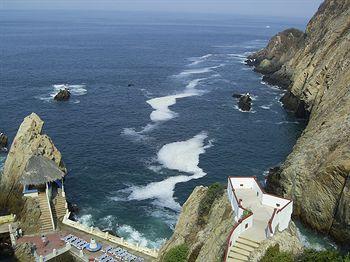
59	207
241	250
45	217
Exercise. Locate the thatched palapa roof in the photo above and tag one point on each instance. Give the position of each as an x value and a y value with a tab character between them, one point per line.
40	170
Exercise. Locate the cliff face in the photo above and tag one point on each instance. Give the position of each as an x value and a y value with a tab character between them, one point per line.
28	141
316	173
206	242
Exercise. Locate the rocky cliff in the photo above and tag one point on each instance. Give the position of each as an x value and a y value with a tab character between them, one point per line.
29	140
316	74
206	242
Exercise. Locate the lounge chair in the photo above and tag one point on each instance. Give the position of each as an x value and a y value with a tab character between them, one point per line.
82	245
108	249
66	238
72	239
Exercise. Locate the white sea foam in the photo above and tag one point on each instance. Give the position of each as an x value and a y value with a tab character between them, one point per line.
86	220
314	241
287	122
139	135
182	156
75	90
132	235
240	110
168	216
266	107
198	60
161	104
203	70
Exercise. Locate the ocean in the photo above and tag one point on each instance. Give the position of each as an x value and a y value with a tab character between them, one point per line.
151	114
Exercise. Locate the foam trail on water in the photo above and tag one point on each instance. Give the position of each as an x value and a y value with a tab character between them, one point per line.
203	70
161	104
182	156
198	60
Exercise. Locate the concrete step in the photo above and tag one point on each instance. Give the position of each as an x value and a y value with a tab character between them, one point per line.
230	259
254	241
247	242
240	251
244	247
237	256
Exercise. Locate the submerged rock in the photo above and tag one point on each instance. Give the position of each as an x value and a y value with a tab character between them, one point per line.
63	95
3	142
245	102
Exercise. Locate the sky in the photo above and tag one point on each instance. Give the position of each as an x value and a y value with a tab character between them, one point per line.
288	8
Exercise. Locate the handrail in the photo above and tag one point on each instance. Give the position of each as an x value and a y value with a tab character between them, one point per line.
232	230
234	193
271	219
49	204
285	206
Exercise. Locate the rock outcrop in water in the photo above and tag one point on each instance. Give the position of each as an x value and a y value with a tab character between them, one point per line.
62	95
3	142
206	242
316	73
245	102
29	140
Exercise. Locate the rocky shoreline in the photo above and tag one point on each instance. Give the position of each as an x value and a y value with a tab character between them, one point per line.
313	68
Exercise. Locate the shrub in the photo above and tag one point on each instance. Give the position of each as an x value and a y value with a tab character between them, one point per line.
177	254
246	212
273	254
310	255
214	191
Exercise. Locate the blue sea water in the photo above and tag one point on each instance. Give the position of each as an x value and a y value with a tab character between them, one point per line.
151	114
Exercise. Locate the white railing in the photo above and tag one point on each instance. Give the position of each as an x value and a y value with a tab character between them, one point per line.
280	218
274	201
49	204
105	235
241	226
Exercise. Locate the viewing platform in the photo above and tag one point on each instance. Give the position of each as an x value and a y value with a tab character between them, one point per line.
257	215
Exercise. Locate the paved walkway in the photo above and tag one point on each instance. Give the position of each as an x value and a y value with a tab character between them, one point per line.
262	214
54	241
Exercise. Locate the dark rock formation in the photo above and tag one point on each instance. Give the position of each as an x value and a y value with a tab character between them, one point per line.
245	102
29	141
314	67
62	95
3	141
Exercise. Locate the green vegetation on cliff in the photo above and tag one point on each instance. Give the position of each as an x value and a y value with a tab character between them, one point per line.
273	254
214	191
177	254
